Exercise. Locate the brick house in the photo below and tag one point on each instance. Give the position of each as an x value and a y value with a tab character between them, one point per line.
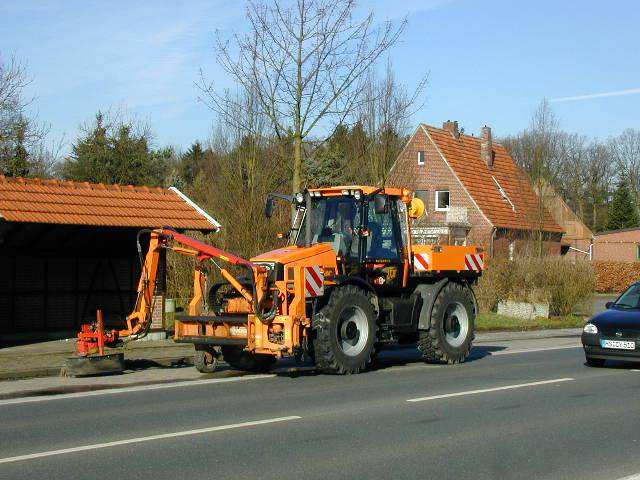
473	192
577	238
617	245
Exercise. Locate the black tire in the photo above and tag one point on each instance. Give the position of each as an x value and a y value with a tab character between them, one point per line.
444	342
205	359
339	328
595	362
240	359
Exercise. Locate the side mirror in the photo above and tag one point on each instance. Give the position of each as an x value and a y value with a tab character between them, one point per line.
269	207
380	204
608	305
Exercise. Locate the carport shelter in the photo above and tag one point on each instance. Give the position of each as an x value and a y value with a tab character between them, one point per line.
69	248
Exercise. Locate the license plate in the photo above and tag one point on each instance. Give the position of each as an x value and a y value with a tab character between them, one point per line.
618	344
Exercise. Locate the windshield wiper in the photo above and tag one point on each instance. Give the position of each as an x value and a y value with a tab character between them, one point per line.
623	305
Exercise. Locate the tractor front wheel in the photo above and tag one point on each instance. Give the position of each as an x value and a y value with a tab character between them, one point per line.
344	331
205	359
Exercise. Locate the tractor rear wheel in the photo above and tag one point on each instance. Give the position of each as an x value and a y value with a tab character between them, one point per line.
451	330
344	331
205	359
240	359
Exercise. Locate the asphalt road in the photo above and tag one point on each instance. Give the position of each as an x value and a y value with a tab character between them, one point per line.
501	415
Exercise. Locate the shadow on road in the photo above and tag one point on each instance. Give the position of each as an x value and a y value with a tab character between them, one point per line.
394	357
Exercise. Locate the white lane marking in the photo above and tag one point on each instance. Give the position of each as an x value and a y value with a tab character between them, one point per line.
487	390
95	446
113	391
528	350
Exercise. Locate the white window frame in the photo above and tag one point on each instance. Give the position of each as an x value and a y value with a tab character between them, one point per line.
436	204
421	157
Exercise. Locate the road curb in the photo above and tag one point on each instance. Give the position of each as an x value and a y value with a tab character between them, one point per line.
129	363
504	335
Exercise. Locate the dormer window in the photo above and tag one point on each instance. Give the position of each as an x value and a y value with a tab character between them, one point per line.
421	157
442	200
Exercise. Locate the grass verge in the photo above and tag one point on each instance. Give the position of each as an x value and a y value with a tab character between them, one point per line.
486	322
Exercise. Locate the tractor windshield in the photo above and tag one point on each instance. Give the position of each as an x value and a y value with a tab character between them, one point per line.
333	220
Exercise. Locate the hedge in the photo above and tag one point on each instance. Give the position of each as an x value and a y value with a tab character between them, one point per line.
558	281
614	277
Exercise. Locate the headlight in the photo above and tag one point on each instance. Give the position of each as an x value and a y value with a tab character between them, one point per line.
590	328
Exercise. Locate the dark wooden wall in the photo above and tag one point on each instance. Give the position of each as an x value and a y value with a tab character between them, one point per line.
54	277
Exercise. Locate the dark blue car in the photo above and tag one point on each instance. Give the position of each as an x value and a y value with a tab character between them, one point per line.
615	333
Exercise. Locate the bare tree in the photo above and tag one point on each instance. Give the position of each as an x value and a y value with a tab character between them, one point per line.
599	180
20	135
536	151
571	184
625	152
305	63
384	113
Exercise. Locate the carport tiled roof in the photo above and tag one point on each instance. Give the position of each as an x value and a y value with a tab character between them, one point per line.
482	182
82	203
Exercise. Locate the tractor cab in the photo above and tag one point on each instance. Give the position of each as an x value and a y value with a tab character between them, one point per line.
367	227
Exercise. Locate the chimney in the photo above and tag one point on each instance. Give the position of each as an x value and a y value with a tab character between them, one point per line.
452	128
486	146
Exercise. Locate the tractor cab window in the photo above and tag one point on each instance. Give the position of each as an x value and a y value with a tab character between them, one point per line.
333	220
382	242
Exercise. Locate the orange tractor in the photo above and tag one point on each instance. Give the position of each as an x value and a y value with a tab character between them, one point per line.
349	282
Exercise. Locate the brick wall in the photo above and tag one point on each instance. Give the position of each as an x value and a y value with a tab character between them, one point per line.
522	246
621	246
436	175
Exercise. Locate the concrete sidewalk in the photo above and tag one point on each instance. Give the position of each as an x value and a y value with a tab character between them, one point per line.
46	358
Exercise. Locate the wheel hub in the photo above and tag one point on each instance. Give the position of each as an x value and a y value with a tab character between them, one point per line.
456	324
353	330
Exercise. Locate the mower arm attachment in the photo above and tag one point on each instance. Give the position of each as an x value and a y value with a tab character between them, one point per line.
139	321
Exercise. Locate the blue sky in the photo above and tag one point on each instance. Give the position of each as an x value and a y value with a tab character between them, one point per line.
489	62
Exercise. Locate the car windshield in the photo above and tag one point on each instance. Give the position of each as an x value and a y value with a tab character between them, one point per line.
333	220
630	298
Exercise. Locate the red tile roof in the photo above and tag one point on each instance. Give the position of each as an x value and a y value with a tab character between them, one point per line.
75	203
463	155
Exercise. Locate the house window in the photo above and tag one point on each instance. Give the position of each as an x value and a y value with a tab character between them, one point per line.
421	157
512	249
638	251
442	200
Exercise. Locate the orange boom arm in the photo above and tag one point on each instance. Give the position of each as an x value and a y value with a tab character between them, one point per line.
93	335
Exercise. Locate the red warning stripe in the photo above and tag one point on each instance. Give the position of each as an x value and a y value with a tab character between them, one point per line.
421	263
473	262
313	281
315	275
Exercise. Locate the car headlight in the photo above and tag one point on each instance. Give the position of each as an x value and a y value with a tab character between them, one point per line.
590	328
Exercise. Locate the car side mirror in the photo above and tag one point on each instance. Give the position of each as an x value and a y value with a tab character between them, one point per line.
380	204
608	305
269	207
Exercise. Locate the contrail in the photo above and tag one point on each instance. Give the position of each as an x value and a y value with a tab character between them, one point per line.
616	93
